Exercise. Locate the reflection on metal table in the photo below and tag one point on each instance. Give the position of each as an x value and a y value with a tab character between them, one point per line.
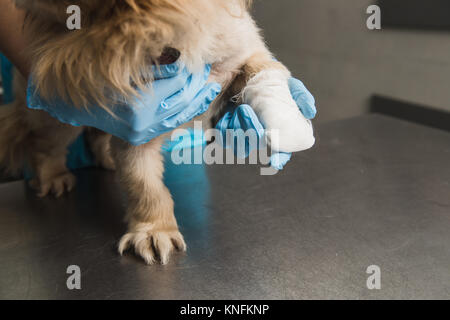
374	191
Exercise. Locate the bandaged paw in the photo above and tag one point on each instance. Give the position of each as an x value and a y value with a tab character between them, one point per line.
287	130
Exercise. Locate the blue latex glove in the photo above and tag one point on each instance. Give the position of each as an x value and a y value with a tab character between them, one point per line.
176	97
243	117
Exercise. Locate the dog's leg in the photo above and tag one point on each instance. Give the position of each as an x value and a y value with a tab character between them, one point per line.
263	85
152	228
100	145
35	139
47	150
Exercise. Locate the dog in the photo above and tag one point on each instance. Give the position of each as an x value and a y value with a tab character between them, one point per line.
111	53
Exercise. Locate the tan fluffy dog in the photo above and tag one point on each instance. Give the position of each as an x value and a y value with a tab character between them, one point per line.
112	53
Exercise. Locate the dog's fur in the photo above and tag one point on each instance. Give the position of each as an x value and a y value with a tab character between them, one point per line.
109	58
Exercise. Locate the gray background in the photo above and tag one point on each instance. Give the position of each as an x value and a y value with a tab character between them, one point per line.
327	45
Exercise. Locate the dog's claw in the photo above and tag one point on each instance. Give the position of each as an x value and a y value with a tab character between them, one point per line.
57	185
151	243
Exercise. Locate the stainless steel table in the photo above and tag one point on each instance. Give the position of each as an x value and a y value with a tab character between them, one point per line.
374	191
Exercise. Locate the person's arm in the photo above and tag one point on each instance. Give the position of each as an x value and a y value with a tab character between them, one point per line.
12	39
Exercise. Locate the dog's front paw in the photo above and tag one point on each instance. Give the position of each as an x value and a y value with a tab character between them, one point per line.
287	129
152	242
56	185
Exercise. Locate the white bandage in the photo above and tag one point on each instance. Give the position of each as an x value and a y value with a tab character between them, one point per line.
269	95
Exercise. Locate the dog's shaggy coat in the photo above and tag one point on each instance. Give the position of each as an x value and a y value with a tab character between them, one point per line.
108	59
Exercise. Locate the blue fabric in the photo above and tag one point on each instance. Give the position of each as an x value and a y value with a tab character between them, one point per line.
80	155
7	79
176	97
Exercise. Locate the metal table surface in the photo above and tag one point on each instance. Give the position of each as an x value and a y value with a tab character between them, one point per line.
374	191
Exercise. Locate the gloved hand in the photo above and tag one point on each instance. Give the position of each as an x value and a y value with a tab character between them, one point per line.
176	97
243	117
